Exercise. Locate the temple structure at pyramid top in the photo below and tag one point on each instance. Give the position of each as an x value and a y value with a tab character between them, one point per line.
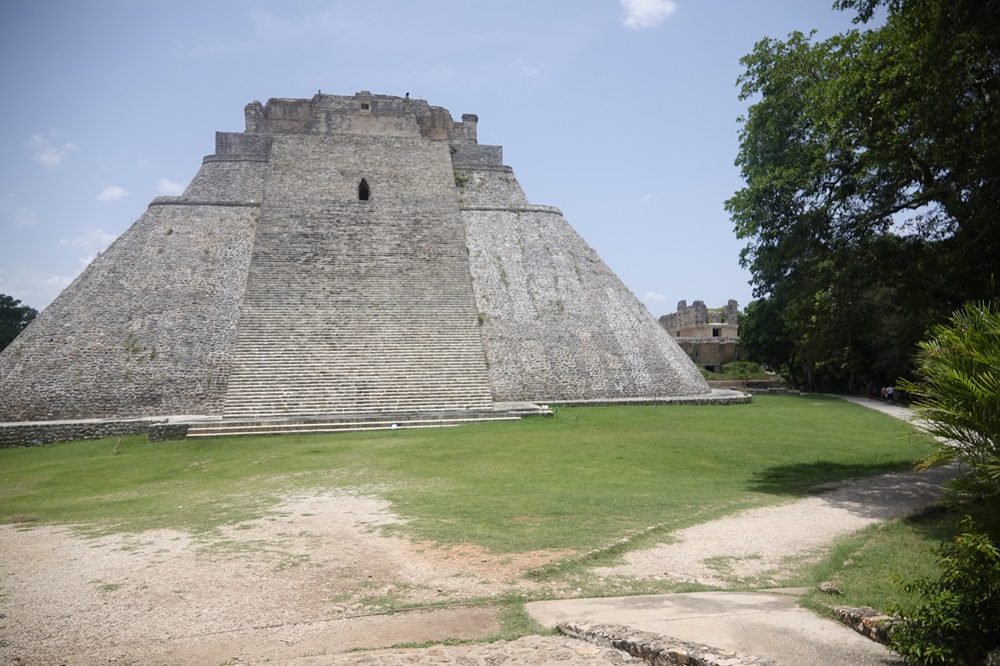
344	255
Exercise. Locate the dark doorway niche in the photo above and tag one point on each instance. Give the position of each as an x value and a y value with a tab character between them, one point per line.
363	190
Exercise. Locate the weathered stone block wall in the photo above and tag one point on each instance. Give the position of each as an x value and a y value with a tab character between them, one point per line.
558	324
361	114
465	148
47	432
711	353
698	320
146	329
489	188
240	145
227	181
474	155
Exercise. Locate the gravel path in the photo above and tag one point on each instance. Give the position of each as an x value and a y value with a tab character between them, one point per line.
755	547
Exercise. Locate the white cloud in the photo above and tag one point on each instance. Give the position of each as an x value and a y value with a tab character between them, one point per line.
641	14
34	286
19	216
91	241
167	186
48	152
654	299
528	70
24	217
268	25
58	281
112	193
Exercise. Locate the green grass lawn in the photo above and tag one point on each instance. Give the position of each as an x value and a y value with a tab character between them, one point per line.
576	481
868	568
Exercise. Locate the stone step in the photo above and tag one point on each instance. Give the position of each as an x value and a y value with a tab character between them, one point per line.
374	356
331	380
381	363
277	396
324	310
284	393
425	346
266	411
349	372
427	343
258	428
348	398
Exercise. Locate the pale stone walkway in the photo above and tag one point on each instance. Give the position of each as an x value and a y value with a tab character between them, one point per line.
527	651
890	408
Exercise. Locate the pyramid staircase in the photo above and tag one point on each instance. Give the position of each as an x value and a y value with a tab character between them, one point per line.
357	313
350	423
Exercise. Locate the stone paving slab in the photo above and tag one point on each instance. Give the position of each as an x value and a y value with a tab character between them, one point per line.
526	651
771	625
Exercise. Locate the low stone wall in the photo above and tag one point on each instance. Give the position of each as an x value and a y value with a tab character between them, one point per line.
47	432
656	649
754	386
867	621
711	353
161	432
878	626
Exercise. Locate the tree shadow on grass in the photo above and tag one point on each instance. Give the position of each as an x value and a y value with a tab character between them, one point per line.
878	491
805	479
936	523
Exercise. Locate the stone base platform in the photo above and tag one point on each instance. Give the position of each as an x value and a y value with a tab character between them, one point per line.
361	422
715	397
161	428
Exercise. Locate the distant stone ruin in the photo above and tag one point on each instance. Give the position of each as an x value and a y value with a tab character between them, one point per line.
710	336
344	255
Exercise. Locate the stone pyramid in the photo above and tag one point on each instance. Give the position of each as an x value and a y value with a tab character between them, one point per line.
344	255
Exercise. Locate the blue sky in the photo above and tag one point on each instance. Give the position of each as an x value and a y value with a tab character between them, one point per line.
621	113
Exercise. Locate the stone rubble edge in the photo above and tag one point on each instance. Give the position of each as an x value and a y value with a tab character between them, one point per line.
656	649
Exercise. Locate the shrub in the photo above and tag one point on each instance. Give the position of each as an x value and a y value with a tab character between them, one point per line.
744	370
958	398
958	621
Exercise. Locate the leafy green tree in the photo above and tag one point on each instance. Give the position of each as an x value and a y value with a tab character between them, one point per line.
872	169
958	398
763	337
13	318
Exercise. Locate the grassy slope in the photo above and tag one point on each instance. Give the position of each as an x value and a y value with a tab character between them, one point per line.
577	481
868	567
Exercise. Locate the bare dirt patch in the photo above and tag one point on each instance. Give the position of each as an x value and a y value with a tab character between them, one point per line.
317	575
